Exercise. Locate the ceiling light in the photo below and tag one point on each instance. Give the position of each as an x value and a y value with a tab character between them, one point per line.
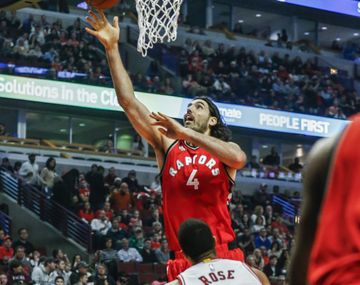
264	146
82	125
324	28
306	33
355	34
62	130
241	21
338	39
258	15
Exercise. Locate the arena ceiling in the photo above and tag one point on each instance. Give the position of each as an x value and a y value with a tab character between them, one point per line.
328	30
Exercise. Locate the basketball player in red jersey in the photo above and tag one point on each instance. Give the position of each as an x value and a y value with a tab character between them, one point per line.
328	239
197	162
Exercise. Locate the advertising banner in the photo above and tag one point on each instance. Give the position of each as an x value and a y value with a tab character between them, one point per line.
87	96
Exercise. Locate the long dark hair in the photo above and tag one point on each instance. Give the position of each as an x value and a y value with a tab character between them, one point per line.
220	130
47	164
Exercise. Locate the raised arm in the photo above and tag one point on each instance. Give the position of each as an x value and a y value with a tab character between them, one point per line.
137	113
229	153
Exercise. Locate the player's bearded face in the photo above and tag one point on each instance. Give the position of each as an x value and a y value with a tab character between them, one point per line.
198	116
198	126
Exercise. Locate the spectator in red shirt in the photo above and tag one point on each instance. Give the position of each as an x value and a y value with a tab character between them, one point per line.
108	211
6	250
122	225
155	242
86	213
279	224
282	73
135	220
84	191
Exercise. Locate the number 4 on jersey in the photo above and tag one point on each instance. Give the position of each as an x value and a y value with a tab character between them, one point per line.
192	181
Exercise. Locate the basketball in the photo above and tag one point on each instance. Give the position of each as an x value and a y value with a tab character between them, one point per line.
102	4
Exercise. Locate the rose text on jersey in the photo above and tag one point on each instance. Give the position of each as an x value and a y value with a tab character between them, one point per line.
214	277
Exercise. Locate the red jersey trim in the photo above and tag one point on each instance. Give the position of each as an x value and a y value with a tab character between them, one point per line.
189	146
232	181
181	279
166	156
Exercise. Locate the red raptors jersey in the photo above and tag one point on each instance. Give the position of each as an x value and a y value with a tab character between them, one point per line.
335	256
195	184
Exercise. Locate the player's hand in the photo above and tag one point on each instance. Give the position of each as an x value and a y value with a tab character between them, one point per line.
106	33
168	126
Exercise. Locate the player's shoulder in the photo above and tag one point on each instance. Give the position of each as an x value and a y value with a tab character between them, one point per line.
168	144
233	144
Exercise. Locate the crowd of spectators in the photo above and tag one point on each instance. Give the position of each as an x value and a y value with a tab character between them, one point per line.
125	216
127	222
350	50
154	81
270	167
57	51
22	263
233	75
263	80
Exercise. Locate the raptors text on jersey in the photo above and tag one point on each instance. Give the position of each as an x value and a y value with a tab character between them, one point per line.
195	184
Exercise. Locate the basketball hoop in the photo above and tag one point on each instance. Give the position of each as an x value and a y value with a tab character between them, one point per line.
157	20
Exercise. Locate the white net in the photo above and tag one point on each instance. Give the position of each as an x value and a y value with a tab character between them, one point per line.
157	20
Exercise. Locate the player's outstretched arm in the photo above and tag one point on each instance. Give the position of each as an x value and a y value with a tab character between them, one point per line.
315	176
109	34
229	153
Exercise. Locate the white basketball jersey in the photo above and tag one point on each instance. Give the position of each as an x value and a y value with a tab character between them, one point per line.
219	271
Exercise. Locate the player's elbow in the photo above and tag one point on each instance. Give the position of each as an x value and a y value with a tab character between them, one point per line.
124	102
239	160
